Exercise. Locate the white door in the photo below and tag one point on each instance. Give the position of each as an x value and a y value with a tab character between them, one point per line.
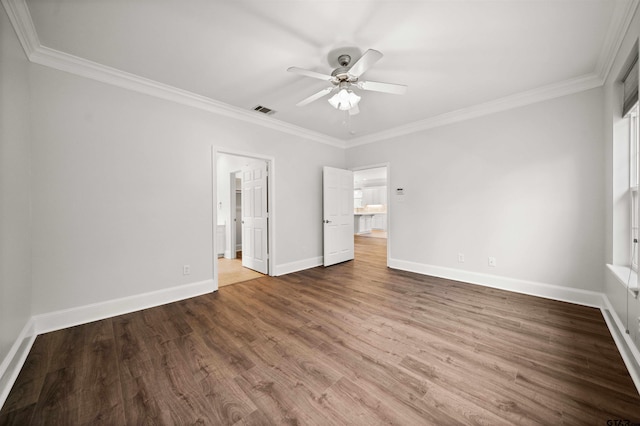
254	216
337	187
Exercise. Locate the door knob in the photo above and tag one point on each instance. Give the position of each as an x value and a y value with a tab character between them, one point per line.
327	221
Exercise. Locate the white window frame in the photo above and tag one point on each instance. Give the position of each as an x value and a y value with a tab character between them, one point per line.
634	181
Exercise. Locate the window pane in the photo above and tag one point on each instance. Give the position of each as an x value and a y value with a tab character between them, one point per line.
634	148
634	229
634	181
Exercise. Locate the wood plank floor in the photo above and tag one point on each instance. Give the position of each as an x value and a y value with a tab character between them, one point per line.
356	343
231	271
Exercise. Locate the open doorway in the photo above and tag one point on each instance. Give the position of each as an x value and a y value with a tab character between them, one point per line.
370	202
371	207
355	209
242	217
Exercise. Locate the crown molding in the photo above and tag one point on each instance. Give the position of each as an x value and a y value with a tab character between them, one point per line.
618	26
23	25
79	66
20	18
544	93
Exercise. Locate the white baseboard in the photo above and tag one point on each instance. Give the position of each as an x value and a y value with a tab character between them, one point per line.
628	351
11	365
299	265
44	323
548	291
14	360
58	320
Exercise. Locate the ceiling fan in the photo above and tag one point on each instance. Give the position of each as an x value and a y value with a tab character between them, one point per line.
347	77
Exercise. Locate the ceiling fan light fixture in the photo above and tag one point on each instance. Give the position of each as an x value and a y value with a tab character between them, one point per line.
346	76
344	100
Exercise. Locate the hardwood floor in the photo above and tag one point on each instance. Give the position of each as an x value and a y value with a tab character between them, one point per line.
231	271
356	343
375	233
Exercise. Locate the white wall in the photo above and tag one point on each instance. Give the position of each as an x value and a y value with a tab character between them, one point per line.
123	190
524	186
15	182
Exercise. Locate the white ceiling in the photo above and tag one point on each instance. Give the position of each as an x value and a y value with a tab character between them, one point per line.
453	55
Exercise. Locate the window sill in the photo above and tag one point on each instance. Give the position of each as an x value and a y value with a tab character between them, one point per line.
622	274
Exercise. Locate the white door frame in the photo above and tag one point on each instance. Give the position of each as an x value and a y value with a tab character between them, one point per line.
271	204
388	166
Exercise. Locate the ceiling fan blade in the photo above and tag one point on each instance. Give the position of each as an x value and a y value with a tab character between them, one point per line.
396	89
354	110
315	96
365	62
309	73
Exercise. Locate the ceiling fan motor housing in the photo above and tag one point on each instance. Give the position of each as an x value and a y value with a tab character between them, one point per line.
344	60
342	73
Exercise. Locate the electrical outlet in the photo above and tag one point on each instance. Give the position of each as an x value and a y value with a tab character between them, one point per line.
492	262
186	269
460	257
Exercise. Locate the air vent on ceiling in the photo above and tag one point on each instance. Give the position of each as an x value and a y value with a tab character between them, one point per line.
264	110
